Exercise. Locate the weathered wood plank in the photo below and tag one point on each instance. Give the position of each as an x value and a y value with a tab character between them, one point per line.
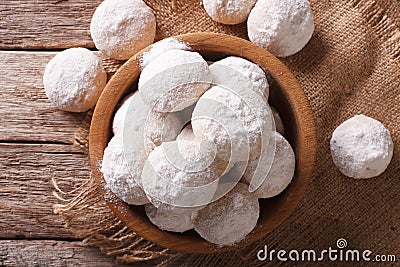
43	24
51	253
25	112
26	198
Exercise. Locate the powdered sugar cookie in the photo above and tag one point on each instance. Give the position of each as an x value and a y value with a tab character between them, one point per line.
238	122
132	114
283	27
361	147
174	80
74	79
181	174
243	67
159	128
228	11
229	219
122	165
135	115
161	47
281	173
169	220
121	28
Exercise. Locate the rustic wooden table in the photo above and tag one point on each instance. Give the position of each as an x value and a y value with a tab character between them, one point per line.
35	137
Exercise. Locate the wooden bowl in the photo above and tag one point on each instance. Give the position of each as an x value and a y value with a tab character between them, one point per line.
286	96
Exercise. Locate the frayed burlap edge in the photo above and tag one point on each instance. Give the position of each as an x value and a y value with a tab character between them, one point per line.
108	233
105	230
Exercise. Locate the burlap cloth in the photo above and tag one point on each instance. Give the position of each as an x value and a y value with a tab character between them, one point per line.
350	66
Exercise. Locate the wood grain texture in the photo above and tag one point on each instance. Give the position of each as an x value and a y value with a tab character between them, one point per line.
286	95
26	191
45	24
25	112
51	253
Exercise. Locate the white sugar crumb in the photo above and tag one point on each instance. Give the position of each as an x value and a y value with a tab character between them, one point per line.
229	219
281	173
361	147
228	11
283	27
174	80
109	195
122	166
121	28
243	67
161	47
74	79
169	220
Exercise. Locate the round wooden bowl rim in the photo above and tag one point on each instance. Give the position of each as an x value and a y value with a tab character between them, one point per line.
305	147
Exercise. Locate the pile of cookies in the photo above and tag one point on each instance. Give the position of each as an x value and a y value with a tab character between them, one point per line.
283	27
74	79
191	140
198	144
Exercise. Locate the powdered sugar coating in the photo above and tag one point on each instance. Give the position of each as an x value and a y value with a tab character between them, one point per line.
121	28
135	115
228	11
229	219
280	128
160	127
239	125
361	147
230	179
169	220
132	114
282	169
244	67
161	47
283	27
176	173
174	80
187	134
122	165
74	79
